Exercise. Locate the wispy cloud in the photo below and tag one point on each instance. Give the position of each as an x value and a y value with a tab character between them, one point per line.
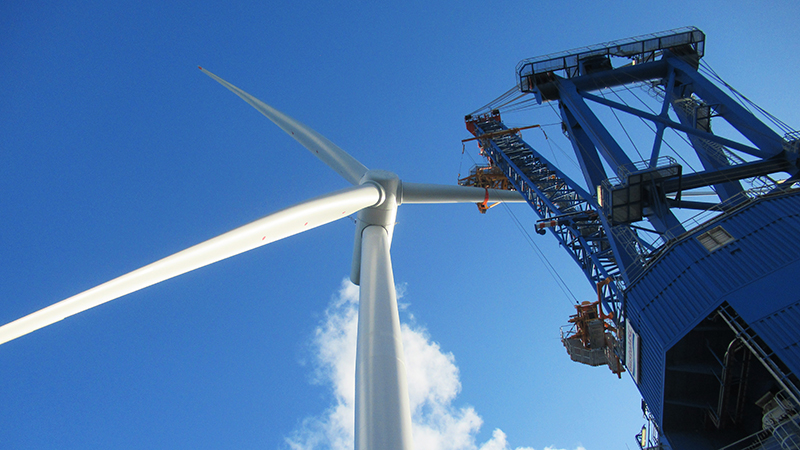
433	387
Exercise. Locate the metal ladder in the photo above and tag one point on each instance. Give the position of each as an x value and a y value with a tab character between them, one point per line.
743	332
567	208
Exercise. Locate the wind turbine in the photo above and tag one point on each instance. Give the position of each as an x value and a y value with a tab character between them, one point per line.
383	415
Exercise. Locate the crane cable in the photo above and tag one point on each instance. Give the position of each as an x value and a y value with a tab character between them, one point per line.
706	68
666	141
515	105
461	162
553	272
539	253
493	104
641	158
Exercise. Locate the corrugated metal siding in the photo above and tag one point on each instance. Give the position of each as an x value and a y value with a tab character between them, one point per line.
766	295
687	283
651	364
780	331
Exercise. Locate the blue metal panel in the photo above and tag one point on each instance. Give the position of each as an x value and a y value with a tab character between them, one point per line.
755	274
651	364
771	292
767	253
780	331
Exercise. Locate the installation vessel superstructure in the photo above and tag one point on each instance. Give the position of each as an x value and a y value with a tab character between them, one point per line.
698	301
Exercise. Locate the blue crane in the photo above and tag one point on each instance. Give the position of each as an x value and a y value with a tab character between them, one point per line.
699	301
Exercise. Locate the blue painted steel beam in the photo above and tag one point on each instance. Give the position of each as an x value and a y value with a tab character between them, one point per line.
678	126
737	172
685	204
594	173
595	254
661	126
762	136
585	151
712	158
610	78
662	219
597	133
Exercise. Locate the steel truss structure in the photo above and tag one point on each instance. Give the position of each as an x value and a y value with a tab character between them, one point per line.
595	220
625	223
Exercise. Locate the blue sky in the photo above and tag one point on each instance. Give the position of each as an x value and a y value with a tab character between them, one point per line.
116	151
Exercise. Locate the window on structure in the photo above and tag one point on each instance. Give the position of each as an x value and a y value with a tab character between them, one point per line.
714	239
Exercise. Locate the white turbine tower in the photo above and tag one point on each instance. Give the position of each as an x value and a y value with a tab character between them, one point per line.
383	415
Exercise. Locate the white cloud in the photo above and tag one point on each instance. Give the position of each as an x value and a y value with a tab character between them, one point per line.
433	386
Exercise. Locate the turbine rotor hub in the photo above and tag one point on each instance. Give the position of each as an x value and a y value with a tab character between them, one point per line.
382	214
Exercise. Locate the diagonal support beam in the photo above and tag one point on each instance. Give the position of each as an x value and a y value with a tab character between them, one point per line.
737	172
762	136
663	220
675	125
593	171
711	157
602	139
661	126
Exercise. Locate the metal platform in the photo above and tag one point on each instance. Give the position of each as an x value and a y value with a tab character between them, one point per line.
585	60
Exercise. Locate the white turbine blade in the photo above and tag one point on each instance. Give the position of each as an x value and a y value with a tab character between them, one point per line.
435	193
383	412
336	158
287	222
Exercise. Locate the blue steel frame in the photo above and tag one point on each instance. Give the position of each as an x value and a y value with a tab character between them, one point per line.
554	196
583	227
662	283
